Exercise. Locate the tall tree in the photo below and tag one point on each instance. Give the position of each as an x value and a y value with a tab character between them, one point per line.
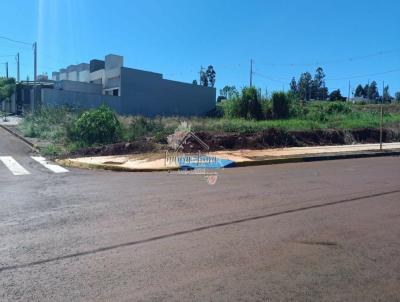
304	86
373	93
211	75
386	95
366	91
319	90
359	91
293	86
397	96
203	78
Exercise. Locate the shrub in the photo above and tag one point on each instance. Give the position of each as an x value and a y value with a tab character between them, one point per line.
280	105
249	104
266	106
97	126
297	109
51	150
141	126
338	107
255	108
231	108
317	112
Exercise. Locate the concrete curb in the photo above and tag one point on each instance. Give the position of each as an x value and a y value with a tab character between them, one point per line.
320	157
262	162
73	164
32	146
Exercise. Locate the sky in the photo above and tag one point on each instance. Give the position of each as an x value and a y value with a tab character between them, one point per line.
356	41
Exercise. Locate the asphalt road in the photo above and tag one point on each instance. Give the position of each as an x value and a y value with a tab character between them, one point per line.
321	231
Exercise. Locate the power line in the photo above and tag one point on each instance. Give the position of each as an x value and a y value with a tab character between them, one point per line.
275	77
14	41
350	59
365	75
283	80
269	78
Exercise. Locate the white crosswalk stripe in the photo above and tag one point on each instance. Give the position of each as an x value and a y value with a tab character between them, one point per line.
52	167
13	165
17	169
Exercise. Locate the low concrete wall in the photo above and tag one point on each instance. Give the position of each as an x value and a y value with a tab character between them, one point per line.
149	94
53	97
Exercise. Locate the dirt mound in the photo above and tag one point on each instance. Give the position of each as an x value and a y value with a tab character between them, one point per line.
270	138
278	138
116	149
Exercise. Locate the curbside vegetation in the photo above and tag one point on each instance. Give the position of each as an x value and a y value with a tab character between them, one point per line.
68	130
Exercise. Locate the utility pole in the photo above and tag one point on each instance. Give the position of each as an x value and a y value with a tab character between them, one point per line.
251	72
34	74
6	70
381	120
17	58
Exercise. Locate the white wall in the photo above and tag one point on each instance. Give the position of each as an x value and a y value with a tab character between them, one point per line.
84	76
73	76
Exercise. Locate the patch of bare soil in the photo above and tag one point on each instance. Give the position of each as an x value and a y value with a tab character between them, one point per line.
277	138
137	147
271	138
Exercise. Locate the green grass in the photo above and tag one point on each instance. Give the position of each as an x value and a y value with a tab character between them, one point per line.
52	150
50	124
54	124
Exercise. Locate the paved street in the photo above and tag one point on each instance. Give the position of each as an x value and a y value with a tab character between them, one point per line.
321	231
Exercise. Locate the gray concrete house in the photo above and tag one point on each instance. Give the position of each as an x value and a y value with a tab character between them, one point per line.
126	90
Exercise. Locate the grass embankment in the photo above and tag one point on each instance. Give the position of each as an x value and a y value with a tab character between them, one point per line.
67	130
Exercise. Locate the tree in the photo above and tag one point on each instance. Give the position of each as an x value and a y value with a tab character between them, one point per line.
7	86
203	78
229	92
249	104
335	95
304	86
373	93
322	93
366	91
210	73
194	82
318	87
385	94
98	126
280	105
397	96
359	91
293	86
